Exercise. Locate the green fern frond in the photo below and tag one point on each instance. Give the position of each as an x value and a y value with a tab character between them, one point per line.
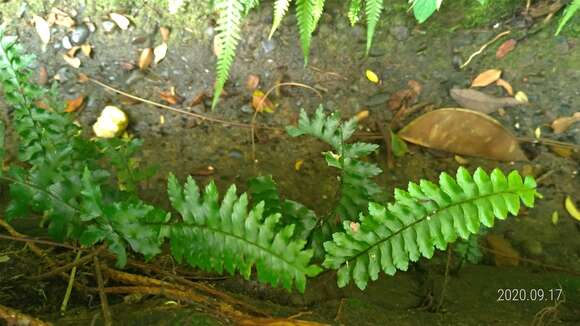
228	35
421	219
249	5
373	9
308	13
568	13
354	9
218	236
280	10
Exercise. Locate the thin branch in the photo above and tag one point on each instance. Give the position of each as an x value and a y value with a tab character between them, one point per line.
102	295
483	47
68	266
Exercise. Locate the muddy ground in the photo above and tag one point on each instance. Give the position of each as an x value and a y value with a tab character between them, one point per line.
545	67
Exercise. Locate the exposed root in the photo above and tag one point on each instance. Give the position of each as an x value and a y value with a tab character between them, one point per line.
15	317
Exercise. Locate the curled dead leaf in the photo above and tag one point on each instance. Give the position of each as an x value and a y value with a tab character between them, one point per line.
74	104
252	82
42	75
60	18
261	103
82	78
198	99
463	132
506	86
560	125
72	52
476	100
486	78
159	52
165	32
171	96
74	62
42	29
146	58
121	21
505	48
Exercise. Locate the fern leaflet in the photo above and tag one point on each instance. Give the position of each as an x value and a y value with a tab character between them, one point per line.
308	13
568	13
280	10
354	9
220	236
373	9
421	219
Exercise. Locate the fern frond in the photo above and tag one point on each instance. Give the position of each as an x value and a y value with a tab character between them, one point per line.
228	35
568	13
280	10
249	5
308	13
373	9
354	9
421	219
218	236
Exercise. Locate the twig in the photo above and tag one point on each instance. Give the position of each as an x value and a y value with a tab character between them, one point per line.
483	47
332	73
68	266
69	287
39	241
102	295
386	137
34	248
14	317
444	288
339	311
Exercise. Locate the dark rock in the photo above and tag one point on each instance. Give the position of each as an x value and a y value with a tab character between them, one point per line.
79	34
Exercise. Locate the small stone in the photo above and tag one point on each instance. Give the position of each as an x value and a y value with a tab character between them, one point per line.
79	34
268	45
400	33
108	26
235	154
66	44
247	109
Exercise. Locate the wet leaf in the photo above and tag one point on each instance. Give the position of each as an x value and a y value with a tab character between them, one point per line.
560	125
165	32
372	76
476	100
74	62
503	252
521	97
361	115
121	21
159	52
252	82
74	104
505	48
146	58
171	96
571	208
87	49
463	132
261	103
486	78
42	29
506	86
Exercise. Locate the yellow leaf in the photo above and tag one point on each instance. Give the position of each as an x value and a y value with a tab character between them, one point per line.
75	62
487	77
298	165
87	49
372	76
555	217
121	21
571	208
522	97
145	58
261	103
538	133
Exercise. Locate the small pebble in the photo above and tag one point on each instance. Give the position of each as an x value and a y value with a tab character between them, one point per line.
235	154
268	45
66	43
79	34
108	26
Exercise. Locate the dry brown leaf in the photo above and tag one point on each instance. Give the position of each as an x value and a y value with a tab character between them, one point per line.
159	52
261	103
82	78
171	96
476	100
165	32
60	18
74	104
503	252
506	86
198	99
42	29
121	21
146	58
562	124
463	132
486	78
74	62
415	86
42	75
41	105
505	48
252	82
87	49
562	151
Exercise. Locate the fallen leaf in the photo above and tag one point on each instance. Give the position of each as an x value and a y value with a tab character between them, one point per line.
42	29
505	48
74	62
171	96
571	208
555	218
42	75
165	32
198	99
298	165
121	21
159	52
463	132
82	78
461	160
415	86
476	100
361	115
252	82
161	119
261	103
538	133
486	78
505	85
503	252
74	104
562	151
562	124
60	18
146	58
87	49
521	97
372	76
